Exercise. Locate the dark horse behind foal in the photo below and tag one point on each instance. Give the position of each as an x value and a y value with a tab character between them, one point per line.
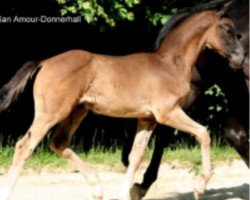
212	69
152	87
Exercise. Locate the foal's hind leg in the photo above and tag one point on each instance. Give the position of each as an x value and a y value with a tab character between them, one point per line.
143	134
23	151
60	144
179	120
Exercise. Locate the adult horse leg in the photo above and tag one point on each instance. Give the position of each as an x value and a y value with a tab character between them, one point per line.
60	144
24	148
126	148
179	120
236	135
144	131
138	191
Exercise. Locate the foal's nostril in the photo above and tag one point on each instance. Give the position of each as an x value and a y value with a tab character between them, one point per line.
239	36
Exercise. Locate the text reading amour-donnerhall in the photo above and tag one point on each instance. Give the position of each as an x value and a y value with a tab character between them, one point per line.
40	19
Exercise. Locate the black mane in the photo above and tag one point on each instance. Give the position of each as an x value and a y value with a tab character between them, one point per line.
182	15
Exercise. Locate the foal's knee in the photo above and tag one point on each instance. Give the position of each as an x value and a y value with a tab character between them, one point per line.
203	137
206	175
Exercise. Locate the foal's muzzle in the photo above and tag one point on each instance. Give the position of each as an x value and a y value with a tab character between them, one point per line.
237	58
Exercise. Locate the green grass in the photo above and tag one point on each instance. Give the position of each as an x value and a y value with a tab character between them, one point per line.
182	156
192	155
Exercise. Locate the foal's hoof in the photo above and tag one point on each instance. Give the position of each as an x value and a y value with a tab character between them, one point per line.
197	194
98	198
136	192
97	193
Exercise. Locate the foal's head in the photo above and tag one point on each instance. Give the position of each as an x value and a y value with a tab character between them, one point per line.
222	38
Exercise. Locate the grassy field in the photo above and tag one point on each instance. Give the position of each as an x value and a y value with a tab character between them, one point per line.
182	156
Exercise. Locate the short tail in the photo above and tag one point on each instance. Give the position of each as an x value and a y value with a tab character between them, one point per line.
11	90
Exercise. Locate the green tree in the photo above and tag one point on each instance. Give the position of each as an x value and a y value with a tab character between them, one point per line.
110	12
93	11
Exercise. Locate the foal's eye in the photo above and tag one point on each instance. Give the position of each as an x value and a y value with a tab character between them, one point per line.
227	28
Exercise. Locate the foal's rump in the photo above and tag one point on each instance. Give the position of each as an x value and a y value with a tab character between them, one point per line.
61	82
60	79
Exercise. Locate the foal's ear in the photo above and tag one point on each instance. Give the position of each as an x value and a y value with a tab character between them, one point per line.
222	12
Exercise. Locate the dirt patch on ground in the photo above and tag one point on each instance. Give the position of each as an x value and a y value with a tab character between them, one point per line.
230	181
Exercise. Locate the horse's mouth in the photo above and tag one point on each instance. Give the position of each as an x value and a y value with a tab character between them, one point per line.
245	67
238	62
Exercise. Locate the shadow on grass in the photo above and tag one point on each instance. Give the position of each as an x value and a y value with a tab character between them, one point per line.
239	192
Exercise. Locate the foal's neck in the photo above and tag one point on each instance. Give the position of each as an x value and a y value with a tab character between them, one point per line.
182	46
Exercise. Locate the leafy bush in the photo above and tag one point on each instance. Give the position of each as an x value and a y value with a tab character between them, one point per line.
110	12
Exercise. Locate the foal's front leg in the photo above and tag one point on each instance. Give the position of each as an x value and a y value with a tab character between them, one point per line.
143	134
176	118
138	191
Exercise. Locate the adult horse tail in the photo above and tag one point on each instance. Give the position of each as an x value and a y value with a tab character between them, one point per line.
11	90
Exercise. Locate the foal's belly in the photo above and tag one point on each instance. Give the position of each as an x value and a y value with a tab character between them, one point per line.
116	107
